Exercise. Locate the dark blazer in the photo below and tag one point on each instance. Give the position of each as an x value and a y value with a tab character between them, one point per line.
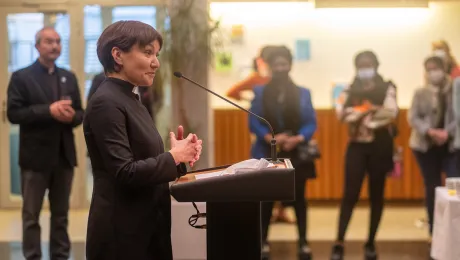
41	136
130	213
260	149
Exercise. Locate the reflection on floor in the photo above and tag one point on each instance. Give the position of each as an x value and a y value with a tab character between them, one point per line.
398	223
12	251
280	251
399	238
402	250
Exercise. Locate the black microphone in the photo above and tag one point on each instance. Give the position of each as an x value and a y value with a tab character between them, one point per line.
273	141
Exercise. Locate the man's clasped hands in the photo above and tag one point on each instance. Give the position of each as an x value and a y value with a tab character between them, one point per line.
186	150
62	111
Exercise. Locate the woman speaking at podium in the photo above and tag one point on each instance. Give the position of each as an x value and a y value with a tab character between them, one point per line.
130	213
289	110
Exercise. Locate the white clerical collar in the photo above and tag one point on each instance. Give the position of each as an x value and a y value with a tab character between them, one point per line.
136	91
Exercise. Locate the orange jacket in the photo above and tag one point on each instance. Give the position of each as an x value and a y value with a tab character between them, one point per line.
253	80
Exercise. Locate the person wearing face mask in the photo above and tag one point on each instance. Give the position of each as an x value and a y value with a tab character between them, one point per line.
259	76
289	110
442	50
369	108
433	125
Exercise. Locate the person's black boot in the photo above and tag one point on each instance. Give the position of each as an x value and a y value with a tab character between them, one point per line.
337	252
369	251
265	251
304	252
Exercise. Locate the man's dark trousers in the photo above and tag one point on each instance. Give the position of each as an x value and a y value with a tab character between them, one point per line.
34	184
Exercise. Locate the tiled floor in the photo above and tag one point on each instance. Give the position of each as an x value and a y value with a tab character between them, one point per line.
398	223
394	250
400	238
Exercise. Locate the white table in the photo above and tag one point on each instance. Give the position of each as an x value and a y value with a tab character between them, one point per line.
188	243
446	226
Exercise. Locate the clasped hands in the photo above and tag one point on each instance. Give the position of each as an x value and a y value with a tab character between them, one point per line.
62	111
286	142
186	150
439	136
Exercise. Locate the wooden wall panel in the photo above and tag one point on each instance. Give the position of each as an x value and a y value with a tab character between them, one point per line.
232	137
233	143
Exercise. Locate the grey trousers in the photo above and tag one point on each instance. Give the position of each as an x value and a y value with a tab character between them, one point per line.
34	184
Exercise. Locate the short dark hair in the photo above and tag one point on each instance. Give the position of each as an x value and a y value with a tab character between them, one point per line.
368	54
265	52
279	51
124	35
436	60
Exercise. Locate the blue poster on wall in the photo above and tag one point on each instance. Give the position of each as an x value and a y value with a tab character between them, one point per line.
302	50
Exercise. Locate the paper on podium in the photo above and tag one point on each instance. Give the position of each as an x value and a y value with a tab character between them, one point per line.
208	175
241	167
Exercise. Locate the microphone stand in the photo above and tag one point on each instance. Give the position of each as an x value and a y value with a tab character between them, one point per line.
274	158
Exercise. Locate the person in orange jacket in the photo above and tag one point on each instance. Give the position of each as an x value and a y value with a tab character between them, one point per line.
259	77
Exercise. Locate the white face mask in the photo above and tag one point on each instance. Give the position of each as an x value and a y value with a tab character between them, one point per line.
367	73
436	76
440	53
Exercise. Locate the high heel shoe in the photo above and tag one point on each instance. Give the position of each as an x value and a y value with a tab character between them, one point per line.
265	254
337	252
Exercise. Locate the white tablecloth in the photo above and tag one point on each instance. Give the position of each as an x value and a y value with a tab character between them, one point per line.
446	227
188	243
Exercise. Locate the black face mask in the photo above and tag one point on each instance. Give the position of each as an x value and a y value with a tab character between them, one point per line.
280	76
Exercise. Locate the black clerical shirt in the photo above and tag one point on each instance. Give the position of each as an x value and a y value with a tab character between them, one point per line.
130	213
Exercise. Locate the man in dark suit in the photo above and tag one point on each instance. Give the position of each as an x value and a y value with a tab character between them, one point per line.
45	101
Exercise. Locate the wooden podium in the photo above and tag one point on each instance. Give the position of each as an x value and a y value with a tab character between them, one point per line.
233	224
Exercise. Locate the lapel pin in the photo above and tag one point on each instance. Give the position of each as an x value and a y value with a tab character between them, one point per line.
63	79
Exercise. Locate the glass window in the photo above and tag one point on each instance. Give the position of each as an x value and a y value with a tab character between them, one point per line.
22	29
62	26
145	14
21	33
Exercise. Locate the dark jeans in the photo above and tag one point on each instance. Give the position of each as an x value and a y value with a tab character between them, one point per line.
34	184
432	163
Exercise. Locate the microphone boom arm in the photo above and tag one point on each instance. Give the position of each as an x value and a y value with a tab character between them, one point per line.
273	141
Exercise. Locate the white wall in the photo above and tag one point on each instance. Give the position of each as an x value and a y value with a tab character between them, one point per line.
400	37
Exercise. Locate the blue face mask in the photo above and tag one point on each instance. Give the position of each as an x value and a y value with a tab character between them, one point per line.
367	73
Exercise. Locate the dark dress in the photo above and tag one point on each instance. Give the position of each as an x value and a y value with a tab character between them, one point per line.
130	213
